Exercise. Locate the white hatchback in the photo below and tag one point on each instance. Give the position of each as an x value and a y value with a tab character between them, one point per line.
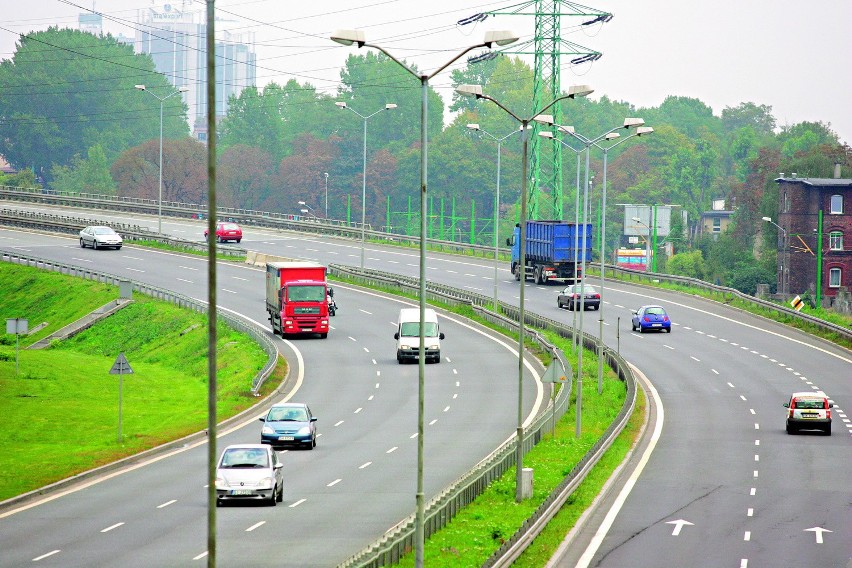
808	411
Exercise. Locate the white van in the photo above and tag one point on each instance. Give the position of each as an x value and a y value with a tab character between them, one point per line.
408	335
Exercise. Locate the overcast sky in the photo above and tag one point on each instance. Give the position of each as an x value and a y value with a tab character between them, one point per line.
793	56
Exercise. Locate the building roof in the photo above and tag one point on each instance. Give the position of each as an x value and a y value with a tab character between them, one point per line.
817	182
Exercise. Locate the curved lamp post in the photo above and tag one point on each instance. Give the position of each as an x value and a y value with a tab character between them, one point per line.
343	105
476	91
499	141
160	193
785	269
358	37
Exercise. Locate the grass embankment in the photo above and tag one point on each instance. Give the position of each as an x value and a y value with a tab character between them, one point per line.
60	412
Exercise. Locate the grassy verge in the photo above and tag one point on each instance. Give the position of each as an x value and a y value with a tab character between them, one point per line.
187	250
61	407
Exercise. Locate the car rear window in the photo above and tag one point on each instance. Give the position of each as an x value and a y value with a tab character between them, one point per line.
656	312
810	403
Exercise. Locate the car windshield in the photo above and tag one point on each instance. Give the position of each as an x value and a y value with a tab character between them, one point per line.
584	290
244	458
288	414
230	227
306	294
655	311
103	231
412	329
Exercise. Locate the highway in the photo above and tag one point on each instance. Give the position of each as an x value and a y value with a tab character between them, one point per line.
724	484
357	483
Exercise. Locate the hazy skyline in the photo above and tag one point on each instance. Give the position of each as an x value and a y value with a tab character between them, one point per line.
786	55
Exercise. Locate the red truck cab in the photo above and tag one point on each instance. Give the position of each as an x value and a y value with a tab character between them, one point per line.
296	298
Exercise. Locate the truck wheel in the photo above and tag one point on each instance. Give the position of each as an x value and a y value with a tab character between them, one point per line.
537	275
323	335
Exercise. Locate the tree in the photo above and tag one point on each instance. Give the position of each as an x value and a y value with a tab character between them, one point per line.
91	175
64	90
136	172
757	117
254	119
24	178
245	177
689	264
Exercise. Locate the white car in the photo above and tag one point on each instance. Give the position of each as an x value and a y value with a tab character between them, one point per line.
809	410
249	472
100	237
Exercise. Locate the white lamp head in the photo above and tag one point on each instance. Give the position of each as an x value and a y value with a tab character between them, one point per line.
767	219
390	106
183	89
473	126
470	90
348	37
500	37
575	91
341	104
633	122
544	119
644	130
566	129
546	134
612	136
140	87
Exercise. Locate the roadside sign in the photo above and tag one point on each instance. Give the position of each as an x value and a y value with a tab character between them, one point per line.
797	303
554	374
121	366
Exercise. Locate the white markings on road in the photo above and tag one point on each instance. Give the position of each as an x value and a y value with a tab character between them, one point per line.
757	442
455	371
752	411
338	423
109	528
731	385
185	280
134	269
166	504
699	332
254	526
413	436
370	397
362	466
744	563
755	474
679	524
456	395
446	409
818	531
669	347
433	422
366	350
695	358
753	491
742	397
131	257
734	344
750	512
240	278
335	482
229	291
393	449
757	457
187	267
757	426
43	556
352	338
365	312
715	371
747	536
200	556
297	503
359	409
377	385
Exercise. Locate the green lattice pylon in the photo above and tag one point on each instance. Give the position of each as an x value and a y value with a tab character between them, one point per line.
548	47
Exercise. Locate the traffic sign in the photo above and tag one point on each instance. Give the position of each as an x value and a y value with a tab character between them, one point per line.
121	366
797	303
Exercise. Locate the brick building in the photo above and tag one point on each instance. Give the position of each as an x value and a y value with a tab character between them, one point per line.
800	202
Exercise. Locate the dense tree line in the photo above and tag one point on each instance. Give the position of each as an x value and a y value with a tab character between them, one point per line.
69	112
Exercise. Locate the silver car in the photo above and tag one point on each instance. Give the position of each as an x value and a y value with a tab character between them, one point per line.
249	472
100	237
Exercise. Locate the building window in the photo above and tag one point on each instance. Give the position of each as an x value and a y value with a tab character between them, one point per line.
836	205
835	240
717	225
786	202
834	278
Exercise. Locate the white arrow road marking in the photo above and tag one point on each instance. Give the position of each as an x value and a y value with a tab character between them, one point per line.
678	525
818	531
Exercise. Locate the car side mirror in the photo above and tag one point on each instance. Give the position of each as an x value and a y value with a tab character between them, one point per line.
830	405
262	419
396	335
279	465
441	335
331	292
634	312
281	296
786	405
313	418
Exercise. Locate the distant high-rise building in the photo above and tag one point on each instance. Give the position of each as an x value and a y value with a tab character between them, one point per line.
91	23
175	38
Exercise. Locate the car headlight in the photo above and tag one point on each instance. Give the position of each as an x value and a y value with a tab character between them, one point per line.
433	346
406	346
265	483
304	431
267	430
221	483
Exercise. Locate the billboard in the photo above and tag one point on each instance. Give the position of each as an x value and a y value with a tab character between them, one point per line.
645	214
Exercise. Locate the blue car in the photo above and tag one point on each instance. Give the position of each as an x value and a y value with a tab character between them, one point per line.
289	424
649	318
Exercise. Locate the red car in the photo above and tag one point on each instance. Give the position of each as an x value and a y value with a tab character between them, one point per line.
226	231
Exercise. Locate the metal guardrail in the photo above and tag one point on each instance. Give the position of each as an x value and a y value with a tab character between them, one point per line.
281	221
254	331
441	509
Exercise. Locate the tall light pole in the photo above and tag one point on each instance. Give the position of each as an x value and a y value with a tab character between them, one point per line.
343	105
476	91
784	265
358	37
499	141
160	193
326	195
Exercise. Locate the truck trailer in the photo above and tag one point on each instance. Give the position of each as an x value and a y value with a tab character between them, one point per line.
552	248
296	298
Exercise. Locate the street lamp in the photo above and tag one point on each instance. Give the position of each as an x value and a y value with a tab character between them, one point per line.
476	91
499	141
326	195
160	193
358	37
343	105
307	209
785	269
